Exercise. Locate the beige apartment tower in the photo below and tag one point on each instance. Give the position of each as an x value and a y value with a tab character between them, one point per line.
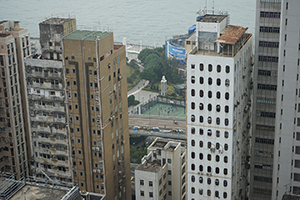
14	131
97	108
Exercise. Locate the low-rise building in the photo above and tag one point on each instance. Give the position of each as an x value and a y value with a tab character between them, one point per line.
163	153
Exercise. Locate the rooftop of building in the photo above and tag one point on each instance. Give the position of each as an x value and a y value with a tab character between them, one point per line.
211	18
166	144
150	166
86	35
231	34
4	34
291	197
57	20
37	192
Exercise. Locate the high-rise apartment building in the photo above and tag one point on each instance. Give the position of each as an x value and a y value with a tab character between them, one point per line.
97	109
14	129
50	141
276	147
219	71
162	174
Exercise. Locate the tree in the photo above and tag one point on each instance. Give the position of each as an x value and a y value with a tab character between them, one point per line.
170	91
131	99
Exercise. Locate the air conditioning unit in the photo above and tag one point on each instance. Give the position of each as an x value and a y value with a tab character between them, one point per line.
119	78
98	171
97	149
94	170
212	149
93	148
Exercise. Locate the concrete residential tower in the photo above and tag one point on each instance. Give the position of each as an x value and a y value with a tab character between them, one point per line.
46	98
275	162
97	109
219	70
14	128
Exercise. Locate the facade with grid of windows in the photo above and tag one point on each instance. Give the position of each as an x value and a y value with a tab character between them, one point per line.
96	97
219	83
50	141
275	158
14	129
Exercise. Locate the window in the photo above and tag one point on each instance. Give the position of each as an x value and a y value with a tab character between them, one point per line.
209	120
201	80
201	119
209	157
225	159
226	134
193	130
200	179
192	66
193	143
226	147
74	82
141	182
218	108
193	79
227	82
210	67
151	183
218	82
218	95
227	69
218	121
209	132
193	190
267	29
193	92
226	121
193	105
201	144
217	182
219	68
193	118
268	58
201	156
225	171
150	194
226	109
142	193
209	107
201	93
217	157
227	96
201	131
217	133
74	71
209	81
193	167
201	66
193	178
208	181
209	94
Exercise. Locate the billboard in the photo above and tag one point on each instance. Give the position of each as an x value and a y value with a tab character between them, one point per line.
176	52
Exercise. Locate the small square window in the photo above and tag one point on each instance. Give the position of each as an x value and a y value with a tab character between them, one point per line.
74	71
141	182
73	57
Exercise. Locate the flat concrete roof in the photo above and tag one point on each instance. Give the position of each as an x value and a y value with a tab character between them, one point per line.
86	35
212	18
56	20
149	166
39	193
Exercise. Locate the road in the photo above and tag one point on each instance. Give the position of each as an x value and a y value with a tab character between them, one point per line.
161	123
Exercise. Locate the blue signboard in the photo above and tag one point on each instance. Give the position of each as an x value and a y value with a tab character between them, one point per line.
178	52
